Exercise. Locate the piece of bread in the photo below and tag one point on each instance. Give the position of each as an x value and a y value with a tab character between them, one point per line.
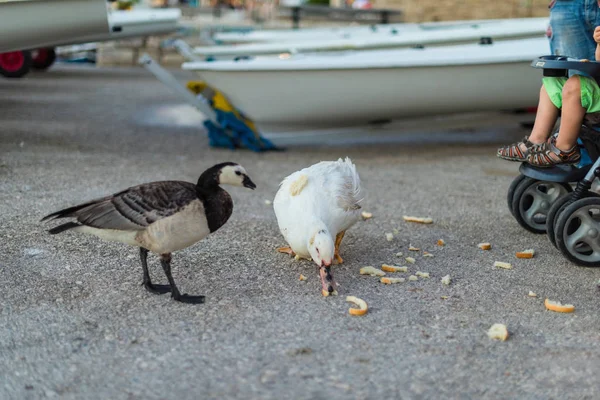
525	254
371	271
504	265
393	268
366	215
389	281
558	307
498	332
418	220
446	280
299	184
441	242
362	306
422	274
410	260
484	246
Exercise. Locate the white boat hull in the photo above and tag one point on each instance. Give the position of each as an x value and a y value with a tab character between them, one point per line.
410	35
27	24
338	98
338	89
133	23
531	25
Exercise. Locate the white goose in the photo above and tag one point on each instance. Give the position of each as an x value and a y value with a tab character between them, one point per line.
313	206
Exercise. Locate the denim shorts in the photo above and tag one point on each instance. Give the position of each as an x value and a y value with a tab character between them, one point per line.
572	24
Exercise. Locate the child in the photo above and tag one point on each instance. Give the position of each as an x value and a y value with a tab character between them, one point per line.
575	96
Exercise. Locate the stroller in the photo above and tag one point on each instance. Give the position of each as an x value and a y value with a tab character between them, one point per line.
558	201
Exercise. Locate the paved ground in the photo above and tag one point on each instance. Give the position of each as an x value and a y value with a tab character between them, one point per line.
75	322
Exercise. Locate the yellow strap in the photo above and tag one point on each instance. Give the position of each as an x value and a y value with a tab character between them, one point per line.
219	101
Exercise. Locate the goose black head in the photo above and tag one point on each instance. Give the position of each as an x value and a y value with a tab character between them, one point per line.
227	173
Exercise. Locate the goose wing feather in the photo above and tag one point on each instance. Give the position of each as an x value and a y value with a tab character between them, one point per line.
137	207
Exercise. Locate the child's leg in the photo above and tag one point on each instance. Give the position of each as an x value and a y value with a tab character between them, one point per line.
572	115
545	119
565	150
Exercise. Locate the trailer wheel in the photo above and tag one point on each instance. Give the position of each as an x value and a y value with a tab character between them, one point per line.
15	64
43	58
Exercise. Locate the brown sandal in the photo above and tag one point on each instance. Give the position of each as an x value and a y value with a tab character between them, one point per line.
541	156
513	151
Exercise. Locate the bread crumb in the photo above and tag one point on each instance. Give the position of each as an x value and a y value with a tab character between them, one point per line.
399	254
371	271
422	274
389	236
413	278
362	306
268	202
427	254
525	254
446	280
558	307
297	257
389	281
418	219
498	332
393	268
444	297
302	277
299	184
410	260
484	246
412	248
504	265
441	242
531	294
366	215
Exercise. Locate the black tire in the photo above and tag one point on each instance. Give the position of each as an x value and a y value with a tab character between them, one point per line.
511	191
42	59
556	210
523	200
568	223
15	64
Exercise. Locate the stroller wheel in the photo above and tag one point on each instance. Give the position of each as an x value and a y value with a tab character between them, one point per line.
511	191
556	210
577	232
532	201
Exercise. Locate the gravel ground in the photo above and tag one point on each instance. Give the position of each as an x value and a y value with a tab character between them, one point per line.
75	322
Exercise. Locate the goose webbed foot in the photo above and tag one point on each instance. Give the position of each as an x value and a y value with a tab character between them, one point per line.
156	289
186	298
286	250
165	260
